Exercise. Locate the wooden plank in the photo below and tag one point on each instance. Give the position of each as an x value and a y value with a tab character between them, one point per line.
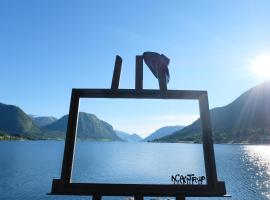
139	73
116	73
135	189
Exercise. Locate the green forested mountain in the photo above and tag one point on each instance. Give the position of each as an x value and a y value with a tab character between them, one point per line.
16	122
245	120
89	127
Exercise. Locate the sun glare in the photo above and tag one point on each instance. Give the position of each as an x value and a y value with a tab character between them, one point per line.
260	66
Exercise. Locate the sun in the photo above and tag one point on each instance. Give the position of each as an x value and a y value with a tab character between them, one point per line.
260	66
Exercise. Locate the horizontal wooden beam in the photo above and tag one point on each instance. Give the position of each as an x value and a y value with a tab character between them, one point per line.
135	189
138	94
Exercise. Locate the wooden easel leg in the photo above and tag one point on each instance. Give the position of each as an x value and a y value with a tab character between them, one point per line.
138	197
139	73
180	198
116	73
96	197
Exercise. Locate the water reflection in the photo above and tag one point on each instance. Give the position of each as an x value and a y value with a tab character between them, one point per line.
257	161
27	168
147	163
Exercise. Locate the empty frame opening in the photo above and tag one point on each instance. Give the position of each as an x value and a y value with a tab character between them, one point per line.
120	141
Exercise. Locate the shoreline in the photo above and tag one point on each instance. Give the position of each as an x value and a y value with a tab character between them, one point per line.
62	140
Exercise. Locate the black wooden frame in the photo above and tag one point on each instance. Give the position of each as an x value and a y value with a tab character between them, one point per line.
65	186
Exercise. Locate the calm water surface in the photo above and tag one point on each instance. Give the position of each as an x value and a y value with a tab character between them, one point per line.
27	168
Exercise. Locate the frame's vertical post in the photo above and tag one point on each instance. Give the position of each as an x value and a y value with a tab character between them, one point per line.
116	72
139	73
70	139
209	156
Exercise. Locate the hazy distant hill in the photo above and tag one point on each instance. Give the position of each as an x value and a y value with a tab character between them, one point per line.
128	137
89	127
43	120
16	122
162	132
247	119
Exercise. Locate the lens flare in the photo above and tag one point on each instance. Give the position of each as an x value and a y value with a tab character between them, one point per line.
260	66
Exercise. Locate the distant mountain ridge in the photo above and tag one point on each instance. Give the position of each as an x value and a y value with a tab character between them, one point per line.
42	120
89	128
128	137
162	132
245	120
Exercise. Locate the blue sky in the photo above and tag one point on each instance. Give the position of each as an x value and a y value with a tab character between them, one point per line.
49	47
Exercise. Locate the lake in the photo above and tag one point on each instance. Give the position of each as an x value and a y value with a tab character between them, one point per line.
28	167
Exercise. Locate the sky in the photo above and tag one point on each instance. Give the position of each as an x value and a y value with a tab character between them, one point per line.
49	47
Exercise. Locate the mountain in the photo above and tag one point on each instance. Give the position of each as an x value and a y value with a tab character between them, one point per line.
42	121
89	127
128	137
162	132
15	121
245	120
